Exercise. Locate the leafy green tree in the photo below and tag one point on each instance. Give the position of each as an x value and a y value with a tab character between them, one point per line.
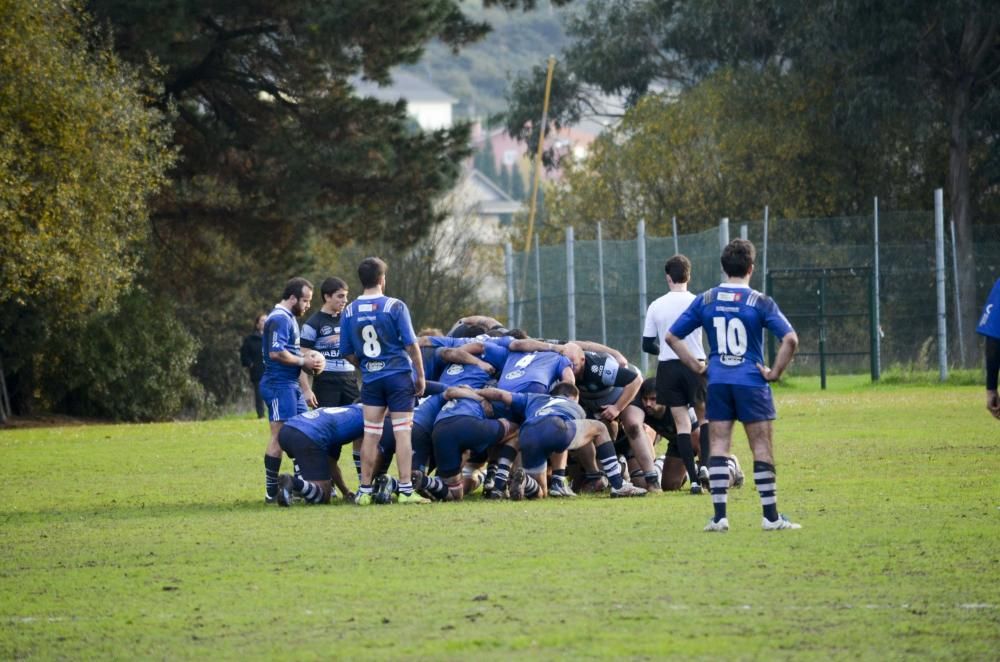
80	153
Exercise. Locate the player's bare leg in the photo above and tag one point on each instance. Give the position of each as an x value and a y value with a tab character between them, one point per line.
760	434
633	421
373	417
401	430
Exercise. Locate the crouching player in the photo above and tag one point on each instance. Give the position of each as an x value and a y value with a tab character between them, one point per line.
314	439
554	423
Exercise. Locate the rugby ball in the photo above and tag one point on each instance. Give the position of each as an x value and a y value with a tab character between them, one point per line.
308	354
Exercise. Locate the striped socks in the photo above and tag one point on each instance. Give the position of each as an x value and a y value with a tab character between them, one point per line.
718	476
764	479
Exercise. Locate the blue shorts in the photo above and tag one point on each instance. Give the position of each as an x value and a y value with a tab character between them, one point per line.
312	461
456	434
543	436
747	404
396	392
283	402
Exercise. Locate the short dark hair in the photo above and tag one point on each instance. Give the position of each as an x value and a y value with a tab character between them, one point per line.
737	258
518	334
295	287
648	387
332	285
565	389
678	268
370	271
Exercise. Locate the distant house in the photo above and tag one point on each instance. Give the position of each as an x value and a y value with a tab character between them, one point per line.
430	106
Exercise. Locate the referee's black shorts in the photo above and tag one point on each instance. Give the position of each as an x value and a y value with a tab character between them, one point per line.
677	385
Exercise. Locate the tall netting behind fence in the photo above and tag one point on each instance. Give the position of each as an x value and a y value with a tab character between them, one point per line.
824	286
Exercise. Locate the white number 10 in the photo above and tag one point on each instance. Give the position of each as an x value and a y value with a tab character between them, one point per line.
730	338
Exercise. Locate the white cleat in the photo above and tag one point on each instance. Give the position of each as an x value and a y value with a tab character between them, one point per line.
627	490
779	524
721	525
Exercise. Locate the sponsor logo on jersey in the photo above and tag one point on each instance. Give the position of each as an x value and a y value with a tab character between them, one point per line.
325	330
274	340
375	366
729	359
455	369
514	374
367	307
595	369
730	296
312	413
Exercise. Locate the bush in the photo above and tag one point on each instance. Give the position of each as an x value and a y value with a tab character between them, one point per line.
133	365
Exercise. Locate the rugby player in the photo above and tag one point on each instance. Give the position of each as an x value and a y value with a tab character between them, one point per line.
337	385
734	317
989	326
377	336
284	387
314	440
554	423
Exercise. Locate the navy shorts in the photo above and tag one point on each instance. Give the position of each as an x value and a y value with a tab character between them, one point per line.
456	434
747	404
283	401
394	391
312	461
542	437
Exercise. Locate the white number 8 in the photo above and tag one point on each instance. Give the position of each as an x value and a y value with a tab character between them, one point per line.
371	348
730	338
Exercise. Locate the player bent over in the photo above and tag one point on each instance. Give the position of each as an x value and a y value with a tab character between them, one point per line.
555	423
314	440
734	317
377	336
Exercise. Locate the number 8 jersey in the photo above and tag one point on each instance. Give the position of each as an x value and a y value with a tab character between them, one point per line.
377	329
734	318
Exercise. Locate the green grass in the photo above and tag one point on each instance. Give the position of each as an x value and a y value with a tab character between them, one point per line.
151	541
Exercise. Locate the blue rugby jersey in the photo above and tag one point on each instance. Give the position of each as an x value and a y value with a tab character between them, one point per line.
330	426
528	406
377	329
989	323
322	333
281	332
521	370
734	318
460	374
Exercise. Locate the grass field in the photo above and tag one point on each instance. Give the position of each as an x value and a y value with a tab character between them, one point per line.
151	541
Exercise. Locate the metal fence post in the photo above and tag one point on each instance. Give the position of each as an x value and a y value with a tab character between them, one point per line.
508	260
939	270
876	309
723	237
677	246
538	287
958	299
570	287
743	230
600	283
764	252
641	249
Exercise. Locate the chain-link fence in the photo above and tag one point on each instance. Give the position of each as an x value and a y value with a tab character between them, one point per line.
621	278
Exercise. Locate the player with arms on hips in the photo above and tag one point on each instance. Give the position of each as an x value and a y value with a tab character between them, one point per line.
734	317
377	336
284	386
989	326
677	386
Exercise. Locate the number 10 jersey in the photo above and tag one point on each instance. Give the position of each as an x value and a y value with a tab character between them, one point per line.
734	318
377	330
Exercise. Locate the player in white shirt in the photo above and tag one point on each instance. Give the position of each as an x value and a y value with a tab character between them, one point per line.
677	386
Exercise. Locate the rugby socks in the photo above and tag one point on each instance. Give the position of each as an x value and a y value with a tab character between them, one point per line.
435	487
718	481
652	478
357	463
763	478
507	455
609	463
406	489
532	489
272	465
558	476
704	445
686	451
491	474
311	493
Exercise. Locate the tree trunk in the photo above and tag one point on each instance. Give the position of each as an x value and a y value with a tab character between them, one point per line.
959	198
